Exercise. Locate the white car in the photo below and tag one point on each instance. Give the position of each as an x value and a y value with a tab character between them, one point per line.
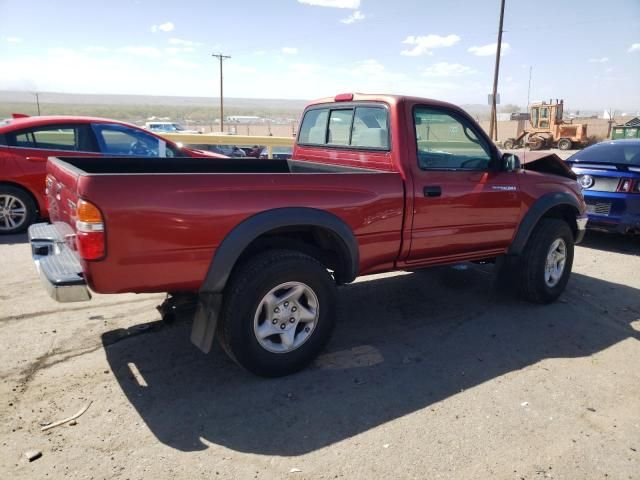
167	127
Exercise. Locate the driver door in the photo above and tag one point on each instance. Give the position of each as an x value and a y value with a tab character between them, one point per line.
462	209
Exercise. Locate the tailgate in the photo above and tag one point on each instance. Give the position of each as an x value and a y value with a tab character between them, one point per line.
54	246
62	197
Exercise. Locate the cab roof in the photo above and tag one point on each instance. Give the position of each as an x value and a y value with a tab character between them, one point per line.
391	100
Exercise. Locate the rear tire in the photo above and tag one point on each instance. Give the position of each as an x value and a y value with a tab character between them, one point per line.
278	312
546	262
564	144
17	210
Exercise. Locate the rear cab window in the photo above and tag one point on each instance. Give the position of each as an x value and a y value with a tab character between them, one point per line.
352	126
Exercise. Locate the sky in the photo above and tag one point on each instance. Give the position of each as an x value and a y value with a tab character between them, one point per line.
585	51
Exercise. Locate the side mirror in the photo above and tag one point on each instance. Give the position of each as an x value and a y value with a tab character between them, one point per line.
510	162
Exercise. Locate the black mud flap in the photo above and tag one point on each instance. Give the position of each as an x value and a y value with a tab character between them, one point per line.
206	320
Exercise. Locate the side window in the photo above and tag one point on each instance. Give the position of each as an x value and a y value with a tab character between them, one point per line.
370	128
447	143
544	117
339	127
314	127
22	139
55	137
122	140
534	117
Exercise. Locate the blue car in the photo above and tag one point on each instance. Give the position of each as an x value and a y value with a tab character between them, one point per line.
609	173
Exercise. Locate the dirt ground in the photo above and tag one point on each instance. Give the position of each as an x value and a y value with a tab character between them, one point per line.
430	375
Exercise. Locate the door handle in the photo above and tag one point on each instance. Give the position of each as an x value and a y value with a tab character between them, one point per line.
432	191
36	159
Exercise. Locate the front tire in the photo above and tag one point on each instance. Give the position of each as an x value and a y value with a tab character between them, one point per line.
278	312
509	143
17	210
546	262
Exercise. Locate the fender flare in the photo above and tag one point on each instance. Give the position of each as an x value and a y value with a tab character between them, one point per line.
535	213
236	241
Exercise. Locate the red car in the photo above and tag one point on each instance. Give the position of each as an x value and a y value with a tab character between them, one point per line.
26	142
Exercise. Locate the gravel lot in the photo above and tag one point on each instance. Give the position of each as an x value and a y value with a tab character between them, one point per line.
434	374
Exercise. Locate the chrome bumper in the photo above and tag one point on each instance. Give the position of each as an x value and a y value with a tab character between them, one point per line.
58	266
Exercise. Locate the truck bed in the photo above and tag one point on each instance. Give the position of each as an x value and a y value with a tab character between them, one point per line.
153	165
165	217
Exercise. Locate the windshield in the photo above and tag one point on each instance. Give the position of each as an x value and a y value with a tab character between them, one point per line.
614	153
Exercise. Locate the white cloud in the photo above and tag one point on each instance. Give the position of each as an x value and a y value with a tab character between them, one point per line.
304	68
444	69
424	45
96	49
184	43
164	27
232	68
332	3
598	60
13	39
176	50
142	51
289	50
179	63
259	52
353	18
486	50
634	48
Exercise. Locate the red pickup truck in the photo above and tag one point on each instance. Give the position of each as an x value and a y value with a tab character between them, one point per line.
376	183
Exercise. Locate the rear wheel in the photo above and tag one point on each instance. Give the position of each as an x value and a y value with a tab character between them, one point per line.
278	313
546	262
564	144
17	210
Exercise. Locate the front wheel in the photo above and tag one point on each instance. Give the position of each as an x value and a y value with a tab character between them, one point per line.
546	262
278	313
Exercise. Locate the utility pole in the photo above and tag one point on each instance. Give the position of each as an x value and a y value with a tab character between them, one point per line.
221	57
493	129
37	102
529	89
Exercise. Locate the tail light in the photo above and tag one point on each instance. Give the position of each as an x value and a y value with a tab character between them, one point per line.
624	185
627	185
89	231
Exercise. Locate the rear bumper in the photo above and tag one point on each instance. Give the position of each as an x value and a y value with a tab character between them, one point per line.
58	266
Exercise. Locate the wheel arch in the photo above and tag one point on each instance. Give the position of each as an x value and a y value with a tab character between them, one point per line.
559	205
317	233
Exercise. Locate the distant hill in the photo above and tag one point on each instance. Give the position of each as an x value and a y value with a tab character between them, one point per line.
100	99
